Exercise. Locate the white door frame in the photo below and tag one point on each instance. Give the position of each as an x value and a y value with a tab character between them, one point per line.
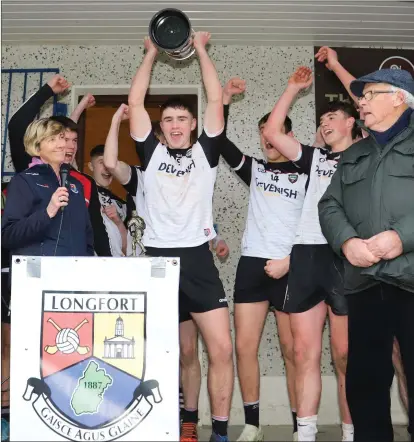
154	89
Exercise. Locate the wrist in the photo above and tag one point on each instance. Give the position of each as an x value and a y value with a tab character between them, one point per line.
117	119
348	242
51	211
151	54
334	65
201	51
226	99
118	222
292	90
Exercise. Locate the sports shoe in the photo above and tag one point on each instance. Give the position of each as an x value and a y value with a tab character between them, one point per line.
347	436
188	432
217	438
5	428
251	433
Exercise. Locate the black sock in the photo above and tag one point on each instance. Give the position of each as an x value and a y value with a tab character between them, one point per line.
251	414
295	422
5	413
190	416
220	427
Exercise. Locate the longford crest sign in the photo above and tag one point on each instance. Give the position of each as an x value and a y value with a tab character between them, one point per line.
91	383
92	349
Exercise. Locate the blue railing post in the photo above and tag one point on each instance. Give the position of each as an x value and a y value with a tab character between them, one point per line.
12	74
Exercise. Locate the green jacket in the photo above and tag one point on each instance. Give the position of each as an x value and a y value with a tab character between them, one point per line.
373	191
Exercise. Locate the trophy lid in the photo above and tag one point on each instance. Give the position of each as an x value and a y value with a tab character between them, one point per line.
170	29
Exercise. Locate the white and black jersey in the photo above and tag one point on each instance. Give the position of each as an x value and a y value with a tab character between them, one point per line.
178	187
277	193
322	163
113	239
135	189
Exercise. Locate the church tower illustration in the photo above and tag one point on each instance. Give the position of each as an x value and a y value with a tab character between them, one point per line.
119	347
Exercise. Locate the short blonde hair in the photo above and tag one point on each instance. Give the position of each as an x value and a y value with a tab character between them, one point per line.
38	131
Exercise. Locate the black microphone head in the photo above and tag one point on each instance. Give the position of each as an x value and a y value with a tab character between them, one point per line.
64	172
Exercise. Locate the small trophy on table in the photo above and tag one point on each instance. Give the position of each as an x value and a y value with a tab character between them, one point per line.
136	227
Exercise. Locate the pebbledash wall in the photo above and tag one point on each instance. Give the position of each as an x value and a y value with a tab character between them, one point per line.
266	70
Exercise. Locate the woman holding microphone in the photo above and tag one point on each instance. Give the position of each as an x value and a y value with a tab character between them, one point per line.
43	216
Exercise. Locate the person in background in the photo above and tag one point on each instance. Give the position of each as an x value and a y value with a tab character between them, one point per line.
315	287
32	222
329	56
115	211
277	192
5	330
21	159
367	216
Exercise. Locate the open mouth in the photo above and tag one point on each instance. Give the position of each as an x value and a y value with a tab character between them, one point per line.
68	157
269	146
106	176
176	135
327	132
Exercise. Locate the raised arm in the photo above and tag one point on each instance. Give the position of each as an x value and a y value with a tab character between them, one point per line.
140	122
87	101
234	86
120	170
25	115
213	117
288	146
330	58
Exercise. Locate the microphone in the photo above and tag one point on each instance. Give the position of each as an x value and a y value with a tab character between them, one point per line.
64	173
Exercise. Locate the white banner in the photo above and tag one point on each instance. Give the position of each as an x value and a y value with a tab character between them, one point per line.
95	349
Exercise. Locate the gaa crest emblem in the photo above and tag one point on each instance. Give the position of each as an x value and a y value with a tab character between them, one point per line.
293	177
91	384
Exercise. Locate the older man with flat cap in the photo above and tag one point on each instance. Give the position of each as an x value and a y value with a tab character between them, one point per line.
367	215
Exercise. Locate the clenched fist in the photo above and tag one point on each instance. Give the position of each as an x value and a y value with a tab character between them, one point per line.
58	84
111	212
233	86
277	268
122	113
328	56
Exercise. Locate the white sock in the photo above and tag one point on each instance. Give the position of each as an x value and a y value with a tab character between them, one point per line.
347	432
307	428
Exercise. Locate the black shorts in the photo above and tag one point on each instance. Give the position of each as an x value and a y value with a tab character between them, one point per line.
316	274
201	289
5	298
254	285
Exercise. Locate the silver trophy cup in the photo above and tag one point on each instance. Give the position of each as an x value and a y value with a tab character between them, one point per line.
170	30
136	227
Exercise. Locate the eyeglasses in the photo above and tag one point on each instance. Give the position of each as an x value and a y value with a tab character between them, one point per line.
369	95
